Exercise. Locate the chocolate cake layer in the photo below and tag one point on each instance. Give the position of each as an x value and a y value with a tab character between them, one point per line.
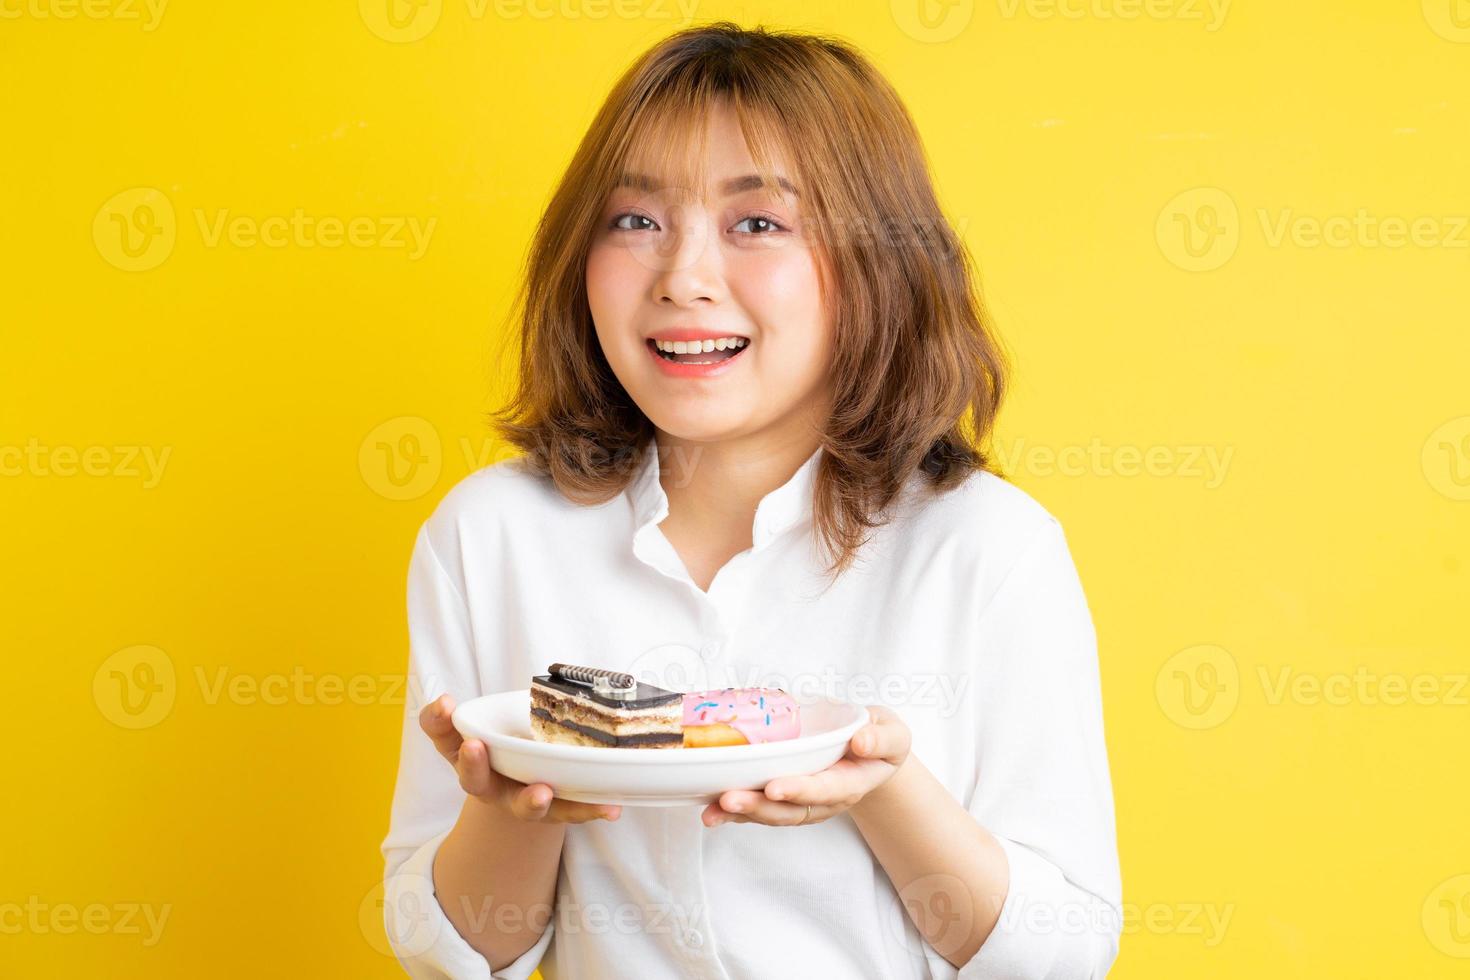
662	718
649	739
571	714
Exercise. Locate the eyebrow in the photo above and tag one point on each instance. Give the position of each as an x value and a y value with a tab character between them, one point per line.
735	185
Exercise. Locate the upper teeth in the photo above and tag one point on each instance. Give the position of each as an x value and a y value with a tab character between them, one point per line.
697	346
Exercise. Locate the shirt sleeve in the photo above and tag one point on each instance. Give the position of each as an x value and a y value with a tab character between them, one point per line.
1042	784
427	797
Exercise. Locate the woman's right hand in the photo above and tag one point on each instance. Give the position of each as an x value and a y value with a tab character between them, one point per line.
471	759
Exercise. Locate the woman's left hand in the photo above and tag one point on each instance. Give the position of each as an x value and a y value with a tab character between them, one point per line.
873	755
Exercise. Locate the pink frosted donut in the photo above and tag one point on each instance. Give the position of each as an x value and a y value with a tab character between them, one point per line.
740	716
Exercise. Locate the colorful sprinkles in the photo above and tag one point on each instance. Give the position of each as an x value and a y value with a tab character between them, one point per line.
761	714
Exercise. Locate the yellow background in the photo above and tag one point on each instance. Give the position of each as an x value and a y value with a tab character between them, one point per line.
1073	149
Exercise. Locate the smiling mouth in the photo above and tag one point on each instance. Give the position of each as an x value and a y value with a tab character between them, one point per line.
699	352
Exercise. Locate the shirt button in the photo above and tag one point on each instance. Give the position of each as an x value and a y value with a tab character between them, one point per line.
694	938
710	650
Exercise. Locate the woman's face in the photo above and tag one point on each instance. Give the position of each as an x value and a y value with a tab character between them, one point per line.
725	268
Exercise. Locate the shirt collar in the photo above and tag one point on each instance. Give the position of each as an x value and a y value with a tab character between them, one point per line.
781	509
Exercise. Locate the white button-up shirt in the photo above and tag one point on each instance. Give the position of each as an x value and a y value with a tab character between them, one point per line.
965	616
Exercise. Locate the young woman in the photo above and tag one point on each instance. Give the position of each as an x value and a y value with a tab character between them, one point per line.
755	380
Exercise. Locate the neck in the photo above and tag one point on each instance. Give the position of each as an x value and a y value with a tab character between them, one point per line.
713	487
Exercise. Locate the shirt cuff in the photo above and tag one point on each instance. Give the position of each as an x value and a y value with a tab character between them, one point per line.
426	942
1047	927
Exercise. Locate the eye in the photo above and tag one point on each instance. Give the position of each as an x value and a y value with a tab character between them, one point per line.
769	224
619	225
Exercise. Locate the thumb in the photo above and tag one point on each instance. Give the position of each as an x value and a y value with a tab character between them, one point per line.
884	737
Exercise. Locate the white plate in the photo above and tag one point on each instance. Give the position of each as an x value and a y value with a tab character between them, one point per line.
652	777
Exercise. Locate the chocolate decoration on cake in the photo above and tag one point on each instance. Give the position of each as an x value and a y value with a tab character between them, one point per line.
614	689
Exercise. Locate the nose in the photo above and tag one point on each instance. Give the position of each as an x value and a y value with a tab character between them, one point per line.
690	270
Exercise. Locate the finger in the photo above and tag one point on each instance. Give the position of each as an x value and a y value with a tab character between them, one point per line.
714	815
570	811
531	802
865	740
436	722
473	766
793	788
435	714
841	784
886	737
746	807
538	802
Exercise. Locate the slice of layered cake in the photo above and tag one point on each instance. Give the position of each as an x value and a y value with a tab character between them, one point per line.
591	706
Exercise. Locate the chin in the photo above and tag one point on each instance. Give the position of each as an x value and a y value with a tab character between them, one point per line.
682	427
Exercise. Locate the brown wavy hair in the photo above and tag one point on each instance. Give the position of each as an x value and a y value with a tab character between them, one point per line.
918	373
